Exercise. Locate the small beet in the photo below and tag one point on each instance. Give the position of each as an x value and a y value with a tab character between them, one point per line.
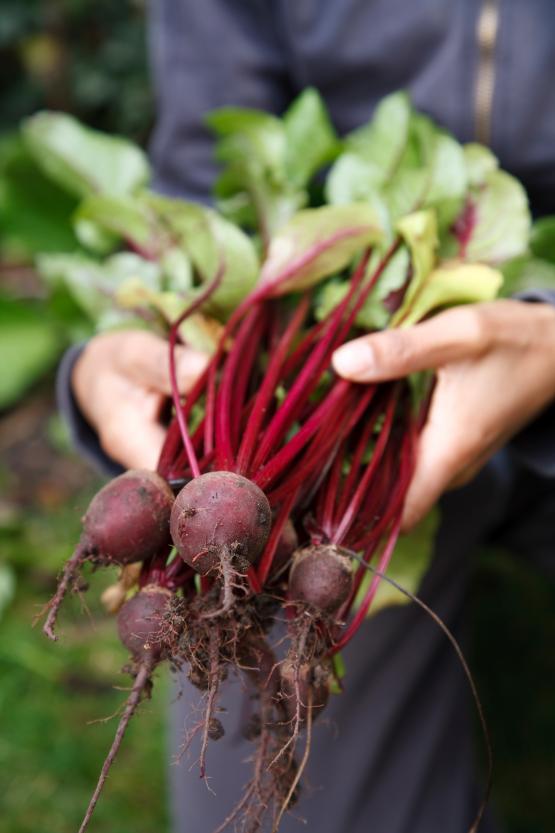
321	578
128	519
143	623
220	513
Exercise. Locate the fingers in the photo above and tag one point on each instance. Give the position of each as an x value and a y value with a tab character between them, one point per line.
391	354
144	358
132	435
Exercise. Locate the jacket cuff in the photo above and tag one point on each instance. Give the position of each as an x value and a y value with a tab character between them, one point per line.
534	446
83	436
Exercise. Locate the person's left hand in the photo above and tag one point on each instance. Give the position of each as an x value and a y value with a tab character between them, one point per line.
495	367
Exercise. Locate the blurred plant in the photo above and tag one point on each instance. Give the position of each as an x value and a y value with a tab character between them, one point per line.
83	56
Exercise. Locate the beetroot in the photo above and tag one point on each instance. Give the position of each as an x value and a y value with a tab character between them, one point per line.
143	623
127	521
148	630
321	577
220	514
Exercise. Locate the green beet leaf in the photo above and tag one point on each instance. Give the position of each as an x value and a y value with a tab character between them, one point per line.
526	272
197	330
209	240
310	139
81	160
494	225
29	345
453	283
372	152
542	239
269	162
35	214
93	285
102	221
419	231
410	563
317	243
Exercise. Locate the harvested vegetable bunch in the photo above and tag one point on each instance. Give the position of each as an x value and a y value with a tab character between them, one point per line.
290	482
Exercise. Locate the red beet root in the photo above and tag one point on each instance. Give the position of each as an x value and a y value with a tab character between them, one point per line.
145	629
321	578
220	515
127	521
143	623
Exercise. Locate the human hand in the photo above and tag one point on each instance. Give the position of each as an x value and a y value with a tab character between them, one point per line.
121	381
495	366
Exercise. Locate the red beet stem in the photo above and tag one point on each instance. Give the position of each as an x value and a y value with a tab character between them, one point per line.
383	563
267	388
267	557
174	332
227	399
286	455
352	509
309	376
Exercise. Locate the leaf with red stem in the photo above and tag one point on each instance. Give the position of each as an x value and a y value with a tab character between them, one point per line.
316	243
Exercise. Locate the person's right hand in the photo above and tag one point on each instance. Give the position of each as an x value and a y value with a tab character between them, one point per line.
121	381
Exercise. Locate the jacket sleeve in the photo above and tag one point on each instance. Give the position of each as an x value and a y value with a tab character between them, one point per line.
534	446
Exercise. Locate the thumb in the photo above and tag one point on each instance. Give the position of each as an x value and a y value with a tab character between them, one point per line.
451	336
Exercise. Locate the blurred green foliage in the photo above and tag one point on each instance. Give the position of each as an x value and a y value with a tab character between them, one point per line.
50	753
88	58
83	56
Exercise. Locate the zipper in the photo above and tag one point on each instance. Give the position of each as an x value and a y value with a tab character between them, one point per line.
487	28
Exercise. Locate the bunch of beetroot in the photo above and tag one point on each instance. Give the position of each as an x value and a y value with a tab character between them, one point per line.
292	480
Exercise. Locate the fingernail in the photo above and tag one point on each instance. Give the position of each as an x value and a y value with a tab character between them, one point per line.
354	360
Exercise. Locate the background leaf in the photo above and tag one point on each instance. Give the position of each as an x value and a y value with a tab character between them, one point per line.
29	345
81	160
316	243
